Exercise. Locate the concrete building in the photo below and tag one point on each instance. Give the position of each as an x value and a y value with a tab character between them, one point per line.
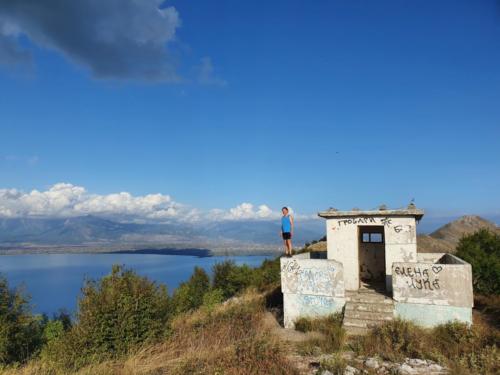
373	273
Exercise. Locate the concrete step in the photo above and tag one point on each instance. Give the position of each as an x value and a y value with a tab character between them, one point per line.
368	298
361	323
372	307
368	315
356	331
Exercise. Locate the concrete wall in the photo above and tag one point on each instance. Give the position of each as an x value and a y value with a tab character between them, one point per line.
433	293
311	287
342	243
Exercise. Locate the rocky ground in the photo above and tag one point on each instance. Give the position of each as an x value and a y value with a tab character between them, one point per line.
369	365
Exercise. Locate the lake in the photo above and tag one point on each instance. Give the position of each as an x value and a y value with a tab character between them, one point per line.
54	280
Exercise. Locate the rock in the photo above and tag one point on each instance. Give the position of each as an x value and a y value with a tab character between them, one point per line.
416	362
326	372
406	369
349	370
435	367
372	363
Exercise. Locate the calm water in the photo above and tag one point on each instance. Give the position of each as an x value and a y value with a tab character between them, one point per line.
54	280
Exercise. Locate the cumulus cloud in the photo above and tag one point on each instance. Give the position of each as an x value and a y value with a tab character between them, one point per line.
245	211
117	39
67	200
63	200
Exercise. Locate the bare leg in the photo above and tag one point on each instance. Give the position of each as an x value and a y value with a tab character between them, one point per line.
289	246
286	246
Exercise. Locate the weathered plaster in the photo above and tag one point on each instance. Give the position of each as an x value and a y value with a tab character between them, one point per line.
432	315
342	243
311	287
433	284
305	305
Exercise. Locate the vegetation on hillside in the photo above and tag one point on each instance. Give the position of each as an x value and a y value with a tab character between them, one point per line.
464	349
127	324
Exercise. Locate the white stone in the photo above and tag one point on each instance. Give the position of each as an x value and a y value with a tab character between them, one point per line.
371	363
435	367
349	370
326	372
417	362
405	369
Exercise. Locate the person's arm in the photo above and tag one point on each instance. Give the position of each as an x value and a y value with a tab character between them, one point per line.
291	225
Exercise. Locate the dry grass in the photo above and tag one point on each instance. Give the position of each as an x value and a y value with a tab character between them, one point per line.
332	336
230	339
464	349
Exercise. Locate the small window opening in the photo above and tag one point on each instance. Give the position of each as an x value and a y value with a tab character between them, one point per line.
372	237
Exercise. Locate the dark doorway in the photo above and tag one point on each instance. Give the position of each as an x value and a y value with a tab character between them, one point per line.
371	255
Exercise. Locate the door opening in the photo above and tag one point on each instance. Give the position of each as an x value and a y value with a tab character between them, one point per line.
371	256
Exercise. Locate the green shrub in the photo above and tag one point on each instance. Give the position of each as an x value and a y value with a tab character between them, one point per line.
20	331
482	251
213	298
232	279
115	315
268	274
189	295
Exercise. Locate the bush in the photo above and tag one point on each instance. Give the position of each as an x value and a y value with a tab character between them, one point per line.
482	251
189	295
20	332
115	315
232	279
268	274
213	298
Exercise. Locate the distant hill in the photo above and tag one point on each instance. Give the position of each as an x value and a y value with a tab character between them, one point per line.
446	238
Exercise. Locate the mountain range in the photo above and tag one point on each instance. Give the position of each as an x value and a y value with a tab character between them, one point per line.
100	234
96	234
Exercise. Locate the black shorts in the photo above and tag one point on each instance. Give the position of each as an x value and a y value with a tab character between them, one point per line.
286	235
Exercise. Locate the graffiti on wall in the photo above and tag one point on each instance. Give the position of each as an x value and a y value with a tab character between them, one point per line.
385	221
420	277
305	278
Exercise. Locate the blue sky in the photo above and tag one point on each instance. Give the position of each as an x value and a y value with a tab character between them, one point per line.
307	104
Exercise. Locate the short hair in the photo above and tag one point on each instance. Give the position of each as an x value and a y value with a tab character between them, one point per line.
285	208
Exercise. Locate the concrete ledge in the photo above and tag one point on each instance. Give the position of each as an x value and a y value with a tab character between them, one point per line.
304	305
432	315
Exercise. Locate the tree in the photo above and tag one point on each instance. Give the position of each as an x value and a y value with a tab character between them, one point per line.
189	295
20	331
482	251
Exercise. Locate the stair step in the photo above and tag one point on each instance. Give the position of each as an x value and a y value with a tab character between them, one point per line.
371	307
361	323
369	315
356	331
368	298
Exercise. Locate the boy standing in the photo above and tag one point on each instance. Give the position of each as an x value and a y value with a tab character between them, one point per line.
287	230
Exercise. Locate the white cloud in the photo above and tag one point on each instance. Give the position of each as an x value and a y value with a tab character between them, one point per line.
245	211
66	200
62	200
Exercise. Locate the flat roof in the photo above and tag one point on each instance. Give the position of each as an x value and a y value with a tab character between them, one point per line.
334	213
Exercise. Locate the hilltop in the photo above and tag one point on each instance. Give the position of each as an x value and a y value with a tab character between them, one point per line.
445	239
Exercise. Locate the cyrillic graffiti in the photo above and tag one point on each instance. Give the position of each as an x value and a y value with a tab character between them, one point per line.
421	278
